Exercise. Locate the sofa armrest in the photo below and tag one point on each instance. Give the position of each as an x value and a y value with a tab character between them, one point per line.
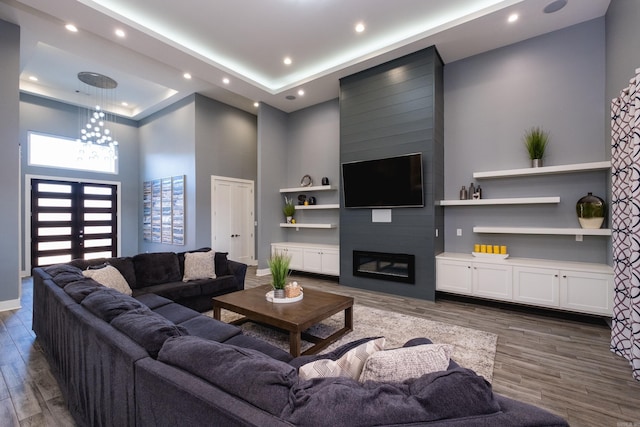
239	271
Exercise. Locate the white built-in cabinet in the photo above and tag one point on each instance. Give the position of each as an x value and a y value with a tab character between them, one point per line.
571	286
311	257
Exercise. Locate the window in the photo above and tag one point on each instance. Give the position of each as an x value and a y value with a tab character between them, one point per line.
66	153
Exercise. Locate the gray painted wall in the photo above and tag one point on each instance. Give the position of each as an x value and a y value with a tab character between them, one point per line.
55	118
167	148
272	175
385	111
313	143
556	81
9	166
623	49
225	145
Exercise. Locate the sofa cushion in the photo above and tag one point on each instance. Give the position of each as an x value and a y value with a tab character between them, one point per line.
153	301
156	268
218	286
270	350
199	265
79	289
176	313
63	274
403	363
148	329
348	365
110	277
438	396
174	290
244	373
108	303
210	329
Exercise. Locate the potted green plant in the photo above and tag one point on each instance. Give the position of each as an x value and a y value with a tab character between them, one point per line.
536	140
288	209
279	266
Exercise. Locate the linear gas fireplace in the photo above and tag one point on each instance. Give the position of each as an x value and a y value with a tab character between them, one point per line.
385	266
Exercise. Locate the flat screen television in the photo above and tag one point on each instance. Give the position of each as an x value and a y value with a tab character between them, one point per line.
390	182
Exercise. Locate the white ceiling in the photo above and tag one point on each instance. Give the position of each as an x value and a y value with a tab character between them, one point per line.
247	40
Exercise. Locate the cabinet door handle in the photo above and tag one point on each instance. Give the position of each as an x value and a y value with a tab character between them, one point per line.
564	277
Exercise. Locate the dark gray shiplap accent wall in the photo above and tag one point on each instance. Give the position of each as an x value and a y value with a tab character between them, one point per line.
389	110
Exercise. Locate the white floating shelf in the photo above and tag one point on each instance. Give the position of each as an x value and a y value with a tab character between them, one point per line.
306	225
545	230
314	188
508	201
545	170
312	207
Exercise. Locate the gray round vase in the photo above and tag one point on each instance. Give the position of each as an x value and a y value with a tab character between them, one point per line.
591	211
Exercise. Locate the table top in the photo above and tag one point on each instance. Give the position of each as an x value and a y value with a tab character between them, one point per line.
313	308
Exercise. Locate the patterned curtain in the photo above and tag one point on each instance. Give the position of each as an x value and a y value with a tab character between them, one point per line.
625	223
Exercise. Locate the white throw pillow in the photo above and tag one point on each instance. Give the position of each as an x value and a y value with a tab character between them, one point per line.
199	265
349	365
403	363
110	277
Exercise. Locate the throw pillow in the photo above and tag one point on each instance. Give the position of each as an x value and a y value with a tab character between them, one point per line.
349	365
199	265
110	277
403	363
222	264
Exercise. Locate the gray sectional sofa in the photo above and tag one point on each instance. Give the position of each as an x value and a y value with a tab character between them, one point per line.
148	361
161	273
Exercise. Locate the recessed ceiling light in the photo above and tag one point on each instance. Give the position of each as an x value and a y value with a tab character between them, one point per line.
33	78
287	61
187	76
71	28
125	104
359	27
300	92
555	6
225	81
513	17
119	32
256	104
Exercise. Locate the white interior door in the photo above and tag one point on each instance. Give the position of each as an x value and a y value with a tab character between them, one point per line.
232	218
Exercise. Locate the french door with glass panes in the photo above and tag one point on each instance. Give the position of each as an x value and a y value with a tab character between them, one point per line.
72	220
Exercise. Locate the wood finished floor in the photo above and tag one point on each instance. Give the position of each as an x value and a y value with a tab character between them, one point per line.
556	362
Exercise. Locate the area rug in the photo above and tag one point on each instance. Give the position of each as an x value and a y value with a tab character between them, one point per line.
473	349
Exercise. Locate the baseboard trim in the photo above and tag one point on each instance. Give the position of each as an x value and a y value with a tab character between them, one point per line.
12	304
263	272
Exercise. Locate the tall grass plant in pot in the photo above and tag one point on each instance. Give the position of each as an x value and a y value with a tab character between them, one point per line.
279	266
536	140
288	209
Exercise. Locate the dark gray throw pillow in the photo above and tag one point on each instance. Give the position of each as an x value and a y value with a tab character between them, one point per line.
108	303
245	373
148	329
221	262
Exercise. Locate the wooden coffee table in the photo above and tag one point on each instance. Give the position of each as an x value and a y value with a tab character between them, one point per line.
295	317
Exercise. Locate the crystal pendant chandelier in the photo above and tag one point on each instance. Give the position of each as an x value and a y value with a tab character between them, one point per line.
94	130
